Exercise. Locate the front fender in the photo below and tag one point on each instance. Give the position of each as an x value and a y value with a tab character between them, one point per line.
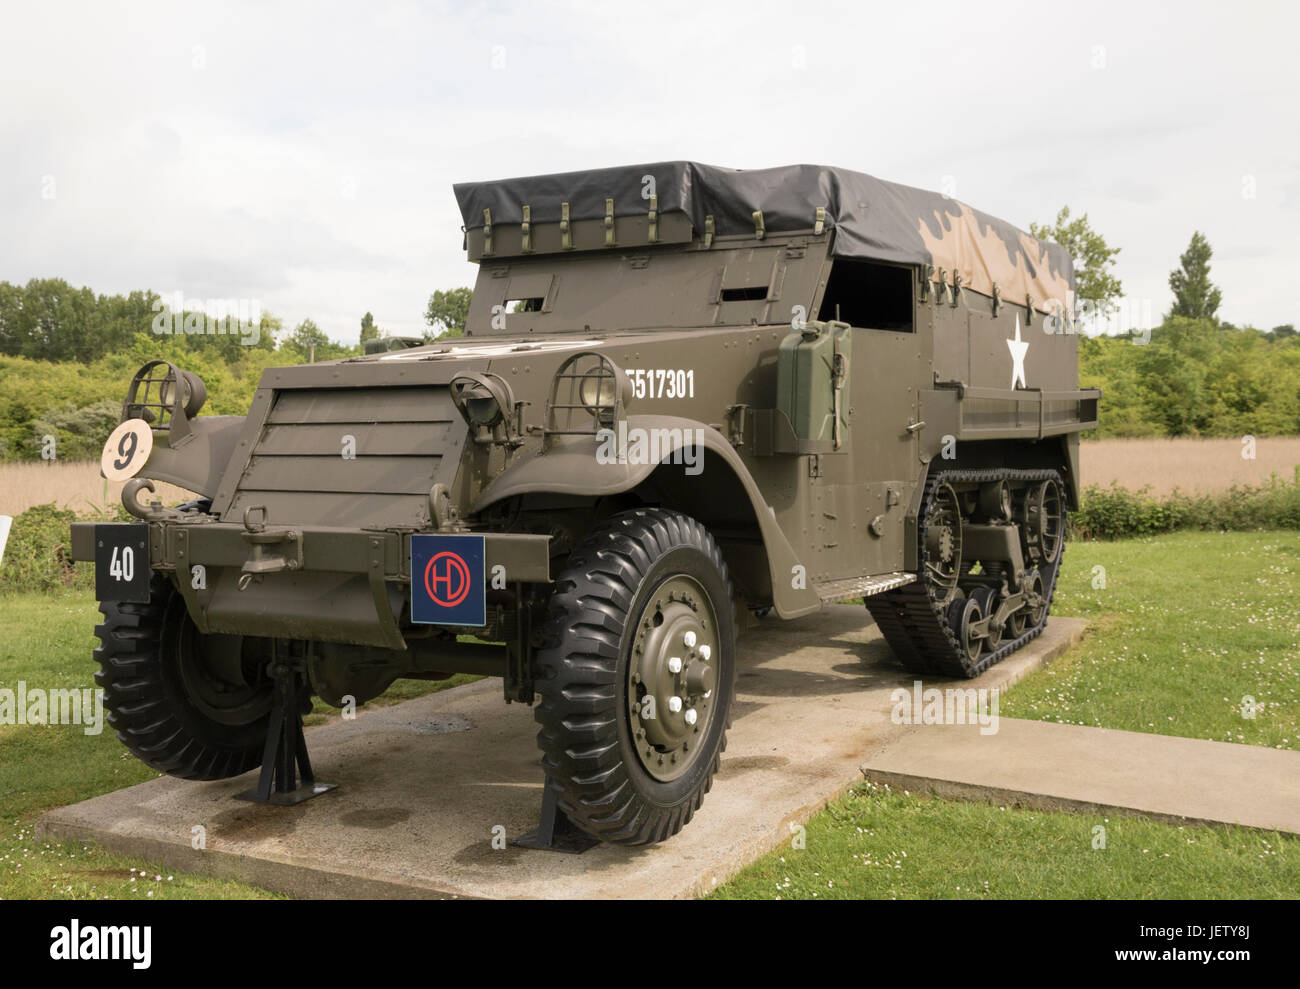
200	462
571	467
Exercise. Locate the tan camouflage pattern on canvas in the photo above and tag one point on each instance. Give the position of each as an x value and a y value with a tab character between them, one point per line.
980	255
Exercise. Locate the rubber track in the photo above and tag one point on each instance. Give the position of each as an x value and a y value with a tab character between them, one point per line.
914	624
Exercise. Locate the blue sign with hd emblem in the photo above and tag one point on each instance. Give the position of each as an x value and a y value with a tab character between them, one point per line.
448	585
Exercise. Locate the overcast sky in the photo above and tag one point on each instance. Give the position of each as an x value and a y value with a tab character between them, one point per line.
303	155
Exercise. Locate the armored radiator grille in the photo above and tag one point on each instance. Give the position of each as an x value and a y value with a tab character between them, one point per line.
354	457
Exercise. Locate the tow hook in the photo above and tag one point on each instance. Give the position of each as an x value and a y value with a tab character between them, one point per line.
262	537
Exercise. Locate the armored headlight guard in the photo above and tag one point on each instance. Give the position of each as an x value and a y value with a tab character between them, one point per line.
166	397
588	393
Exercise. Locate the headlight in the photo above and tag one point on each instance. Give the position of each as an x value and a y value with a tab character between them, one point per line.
167	391
192	391
597	389
482	407
483	399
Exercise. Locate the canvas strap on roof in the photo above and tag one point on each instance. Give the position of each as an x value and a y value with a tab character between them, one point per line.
872	219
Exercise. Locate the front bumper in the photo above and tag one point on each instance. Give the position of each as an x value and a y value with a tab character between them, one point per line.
304	582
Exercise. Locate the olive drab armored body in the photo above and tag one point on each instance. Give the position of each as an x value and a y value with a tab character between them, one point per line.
686	396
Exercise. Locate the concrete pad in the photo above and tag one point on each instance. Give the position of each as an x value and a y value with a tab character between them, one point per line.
1071	767
423	784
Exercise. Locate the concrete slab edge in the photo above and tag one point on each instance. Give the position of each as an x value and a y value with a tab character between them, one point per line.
1024	799
291	878
757	847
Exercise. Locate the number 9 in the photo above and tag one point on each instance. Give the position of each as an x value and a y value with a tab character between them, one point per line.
127	450
126	446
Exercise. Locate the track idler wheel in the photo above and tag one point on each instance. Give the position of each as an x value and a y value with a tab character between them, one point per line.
1042	522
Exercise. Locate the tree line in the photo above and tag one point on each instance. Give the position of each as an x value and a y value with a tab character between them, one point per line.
1193	374
67	353
50	320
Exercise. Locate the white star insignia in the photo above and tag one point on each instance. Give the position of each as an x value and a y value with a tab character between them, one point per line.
1018	350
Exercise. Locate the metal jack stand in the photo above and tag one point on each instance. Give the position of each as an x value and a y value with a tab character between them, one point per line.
555	833
286	748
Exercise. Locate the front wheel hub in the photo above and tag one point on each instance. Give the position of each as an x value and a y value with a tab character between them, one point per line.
672	674
222	675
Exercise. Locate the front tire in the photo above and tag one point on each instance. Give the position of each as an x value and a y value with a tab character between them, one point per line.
187	704
637	676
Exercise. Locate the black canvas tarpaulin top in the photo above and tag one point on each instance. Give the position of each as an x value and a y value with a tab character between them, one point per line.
872	218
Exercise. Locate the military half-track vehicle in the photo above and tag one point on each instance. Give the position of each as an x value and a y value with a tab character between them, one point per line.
686	396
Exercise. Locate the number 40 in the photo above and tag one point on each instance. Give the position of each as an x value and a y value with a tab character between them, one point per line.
121	566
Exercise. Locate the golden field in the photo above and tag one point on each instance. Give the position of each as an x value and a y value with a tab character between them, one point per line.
70	485
1163	464
1186	463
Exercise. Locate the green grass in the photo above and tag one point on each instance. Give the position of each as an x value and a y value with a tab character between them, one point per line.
1185	627
876	843
47	643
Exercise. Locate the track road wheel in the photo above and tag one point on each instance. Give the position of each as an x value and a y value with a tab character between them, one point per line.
961	616
190	705
637	676
1017	621
987	597
1036	608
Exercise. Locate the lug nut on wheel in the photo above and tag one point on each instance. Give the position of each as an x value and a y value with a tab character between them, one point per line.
674	704
675	664
690	716
689	639
705	653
